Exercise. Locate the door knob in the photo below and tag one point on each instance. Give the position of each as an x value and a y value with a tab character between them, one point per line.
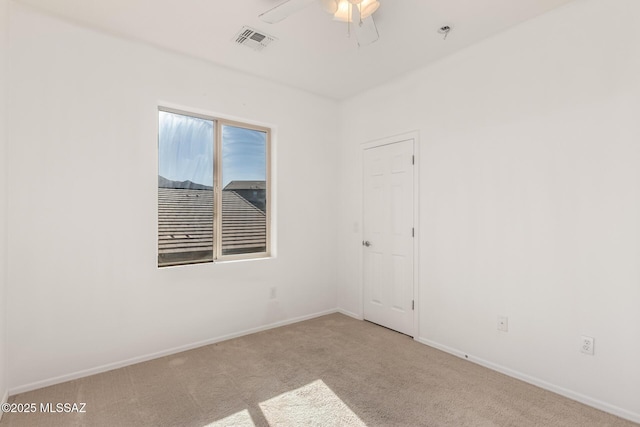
366	243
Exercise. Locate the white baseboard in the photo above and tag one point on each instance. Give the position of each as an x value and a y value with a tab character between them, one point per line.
349	313
132	361
598	404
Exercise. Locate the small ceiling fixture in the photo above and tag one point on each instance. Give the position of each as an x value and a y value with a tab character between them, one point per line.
445	29
349	11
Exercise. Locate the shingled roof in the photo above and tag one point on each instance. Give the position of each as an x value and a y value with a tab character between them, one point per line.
185	225
246	185
244	227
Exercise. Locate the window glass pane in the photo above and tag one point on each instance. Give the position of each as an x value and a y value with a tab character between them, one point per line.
244	192
185	189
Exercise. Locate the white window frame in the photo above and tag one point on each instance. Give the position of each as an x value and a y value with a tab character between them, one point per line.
217	188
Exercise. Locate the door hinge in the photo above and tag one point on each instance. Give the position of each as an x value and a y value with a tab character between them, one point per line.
413	232
413	304
413	159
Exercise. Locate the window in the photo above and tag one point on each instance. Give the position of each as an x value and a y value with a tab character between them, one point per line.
213	189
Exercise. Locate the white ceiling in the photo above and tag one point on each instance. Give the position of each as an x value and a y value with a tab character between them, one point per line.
313	52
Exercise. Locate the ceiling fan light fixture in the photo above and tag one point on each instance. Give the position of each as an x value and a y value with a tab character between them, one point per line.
344	7
368	7
343	13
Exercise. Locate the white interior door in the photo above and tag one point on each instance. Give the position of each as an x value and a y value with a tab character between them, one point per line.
388	230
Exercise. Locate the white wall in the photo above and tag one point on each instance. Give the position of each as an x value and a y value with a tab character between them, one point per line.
529	199
4	8
83	283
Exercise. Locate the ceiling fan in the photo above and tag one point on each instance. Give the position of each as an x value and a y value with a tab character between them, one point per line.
356	13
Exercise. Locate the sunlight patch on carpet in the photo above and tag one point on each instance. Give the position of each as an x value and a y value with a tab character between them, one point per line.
239	419
312	405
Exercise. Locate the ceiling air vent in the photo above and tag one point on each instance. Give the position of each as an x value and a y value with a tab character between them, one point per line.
254	39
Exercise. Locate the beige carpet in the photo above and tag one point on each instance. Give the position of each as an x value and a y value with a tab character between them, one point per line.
328	371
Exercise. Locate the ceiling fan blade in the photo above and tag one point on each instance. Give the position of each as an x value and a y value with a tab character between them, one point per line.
366	32
283	10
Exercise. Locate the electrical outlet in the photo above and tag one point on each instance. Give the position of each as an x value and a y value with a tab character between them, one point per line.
503	323
586	345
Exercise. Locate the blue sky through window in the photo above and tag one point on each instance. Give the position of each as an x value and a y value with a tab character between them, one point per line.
243	155
185	151
185	148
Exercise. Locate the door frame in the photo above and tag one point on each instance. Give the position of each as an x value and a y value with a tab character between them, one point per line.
415	136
